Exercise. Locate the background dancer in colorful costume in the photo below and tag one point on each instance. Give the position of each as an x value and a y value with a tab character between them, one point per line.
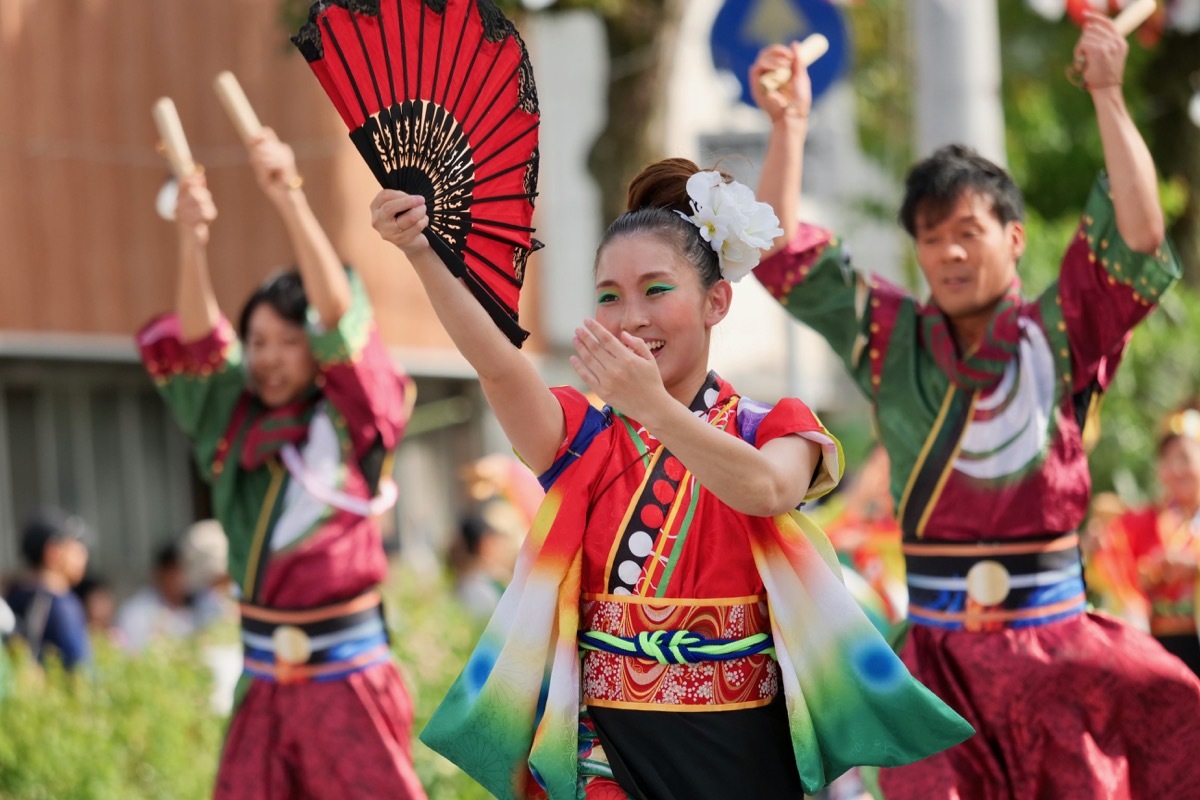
1150	555
860	522
980	398
723	657
292	427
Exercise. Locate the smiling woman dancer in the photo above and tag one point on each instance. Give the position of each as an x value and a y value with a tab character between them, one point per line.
292	420
711	620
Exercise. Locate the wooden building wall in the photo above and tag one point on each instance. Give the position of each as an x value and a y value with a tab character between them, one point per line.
81	248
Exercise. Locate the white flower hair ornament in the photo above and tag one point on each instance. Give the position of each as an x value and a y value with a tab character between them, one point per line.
736	226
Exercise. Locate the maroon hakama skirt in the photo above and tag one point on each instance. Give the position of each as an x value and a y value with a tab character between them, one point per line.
322	740
1080	709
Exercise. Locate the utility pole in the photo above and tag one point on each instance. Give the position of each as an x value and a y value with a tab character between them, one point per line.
956	54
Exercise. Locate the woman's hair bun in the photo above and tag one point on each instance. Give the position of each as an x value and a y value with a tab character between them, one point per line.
663	184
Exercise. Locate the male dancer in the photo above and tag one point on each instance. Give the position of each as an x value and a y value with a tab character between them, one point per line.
981	398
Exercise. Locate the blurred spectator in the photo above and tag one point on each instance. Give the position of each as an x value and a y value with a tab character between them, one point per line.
161	610
504	478
506	496
99	604
205	553
1111	585
1145	561
49	616
482	560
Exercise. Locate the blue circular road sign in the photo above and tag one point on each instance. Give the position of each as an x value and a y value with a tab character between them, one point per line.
743	27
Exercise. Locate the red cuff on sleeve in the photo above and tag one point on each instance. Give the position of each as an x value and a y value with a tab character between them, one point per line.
783	270
163	351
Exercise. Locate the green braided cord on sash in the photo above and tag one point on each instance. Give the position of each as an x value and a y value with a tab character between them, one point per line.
676	647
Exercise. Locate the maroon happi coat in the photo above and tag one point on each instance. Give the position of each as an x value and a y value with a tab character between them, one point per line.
990	447
348	737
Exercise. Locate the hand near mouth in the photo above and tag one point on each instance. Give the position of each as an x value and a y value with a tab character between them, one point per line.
622	372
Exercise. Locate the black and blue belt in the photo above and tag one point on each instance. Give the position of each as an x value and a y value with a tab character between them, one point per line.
983	586
314	644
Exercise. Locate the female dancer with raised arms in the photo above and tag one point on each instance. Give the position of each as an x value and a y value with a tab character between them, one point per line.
292	417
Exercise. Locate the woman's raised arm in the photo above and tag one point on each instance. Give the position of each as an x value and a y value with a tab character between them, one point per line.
325	281
528	412
195	301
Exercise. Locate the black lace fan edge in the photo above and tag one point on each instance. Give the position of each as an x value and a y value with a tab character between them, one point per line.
308	39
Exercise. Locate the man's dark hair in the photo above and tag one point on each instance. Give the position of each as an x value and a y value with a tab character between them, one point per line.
934	185
284	293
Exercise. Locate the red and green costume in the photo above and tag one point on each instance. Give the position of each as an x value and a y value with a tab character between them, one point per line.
656	643
293	488
1128	571
988	467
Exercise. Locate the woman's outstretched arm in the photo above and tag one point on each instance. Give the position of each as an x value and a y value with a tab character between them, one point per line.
528	412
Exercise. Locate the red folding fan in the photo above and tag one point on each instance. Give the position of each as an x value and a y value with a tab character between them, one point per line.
440	101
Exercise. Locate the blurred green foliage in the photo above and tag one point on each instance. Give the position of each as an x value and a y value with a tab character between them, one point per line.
1161	369
432	637
132	728
140	727
881	71
1052	141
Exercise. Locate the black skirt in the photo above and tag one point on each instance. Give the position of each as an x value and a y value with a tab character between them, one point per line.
697	755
